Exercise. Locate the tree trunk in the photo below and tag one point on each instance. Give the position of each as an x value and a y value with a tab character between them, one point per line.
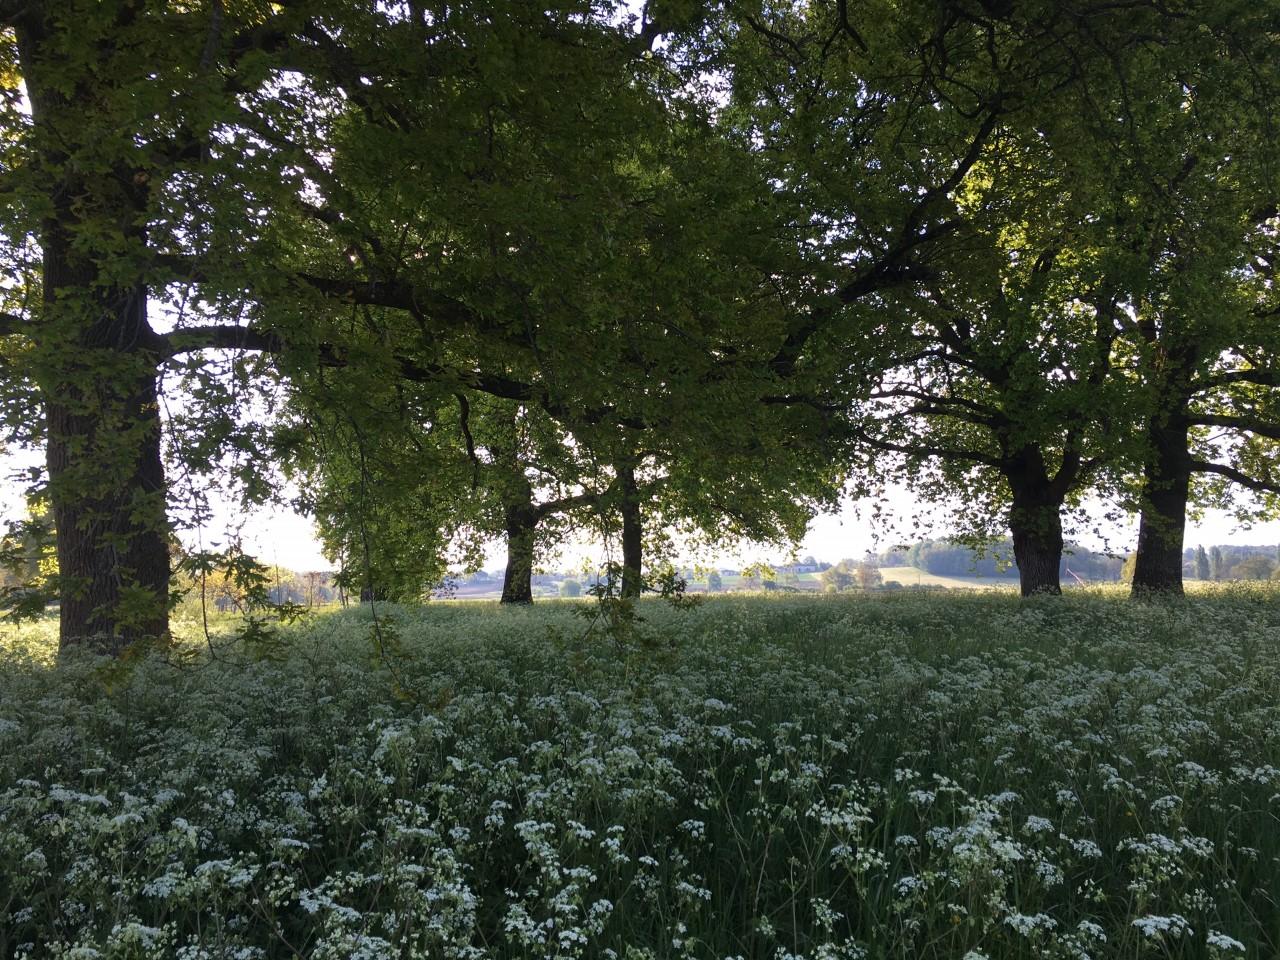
521	523
632	533
96	361
107	486
1036	524
1165	486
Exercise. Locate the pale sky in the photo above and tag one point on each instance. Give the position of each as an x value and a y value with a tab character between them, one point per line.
278	535
281	536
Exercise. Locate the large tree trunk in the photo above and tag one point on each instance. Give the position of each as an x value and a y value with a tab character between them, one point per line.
521	523
1035	521
632	532
96	360
106	481
1165	485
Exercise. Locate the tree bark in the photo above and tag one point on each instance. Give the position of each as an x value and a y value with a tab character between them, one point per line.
521	524
96	359
632	532
1035	521
1165	486
107	485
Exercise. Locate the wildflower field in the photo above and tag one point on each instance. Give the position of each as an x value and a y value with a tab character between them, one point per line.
912	775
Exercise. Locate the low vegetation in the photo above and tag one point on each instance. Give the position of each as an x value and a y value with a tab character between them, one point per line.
899	775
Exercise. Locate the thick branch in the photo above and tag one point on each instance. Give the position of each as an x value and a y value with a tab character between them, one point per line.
1262	376
1263	428
1236	476
977	412
562	504
217	337
11	323
392	294
924	450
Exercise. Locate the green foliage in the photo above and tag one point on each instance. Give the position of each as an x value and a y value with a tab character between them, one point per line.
1201	564
1256	567
616	617
713	263
234	582
570	588
28	565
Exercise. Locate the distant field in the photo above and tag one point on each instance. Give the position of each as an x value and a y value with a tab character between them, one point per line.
907	576
899	775
911	576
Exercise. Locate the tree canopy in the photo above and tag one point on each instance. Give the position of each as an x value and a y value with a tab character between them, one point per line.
470	270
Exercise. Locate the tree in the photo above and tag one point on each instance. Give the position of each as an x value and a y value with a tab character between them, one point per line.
87	167
1197	158
1217	567
839	577
715	583
646	351
867	574
1255	567
130	179
1201	564
976	302
570	588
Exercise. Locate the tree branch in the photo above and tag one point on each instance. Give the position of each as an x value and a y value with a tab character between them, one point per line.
979	412
1235	476
1263	428
1260	375
562	504
923	450
392	294
11	323
217	337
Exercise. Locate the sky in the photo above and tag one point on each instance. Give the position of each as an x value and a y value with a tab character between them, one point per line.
283	537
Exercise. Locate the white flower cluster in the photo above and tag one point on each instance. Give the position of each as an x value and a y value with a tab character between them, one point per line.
914	775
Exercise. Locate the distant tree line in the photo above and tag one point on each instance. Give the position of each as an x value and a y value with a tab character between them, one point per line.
1232	562
949	559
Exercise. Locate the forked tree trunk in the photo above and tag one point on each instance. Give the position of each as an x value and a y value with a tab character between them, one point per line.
1035	521
521	523
1166	482
632	532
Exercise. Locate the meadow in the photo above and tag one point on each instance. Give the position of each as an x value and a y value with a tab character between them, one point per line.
913	775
